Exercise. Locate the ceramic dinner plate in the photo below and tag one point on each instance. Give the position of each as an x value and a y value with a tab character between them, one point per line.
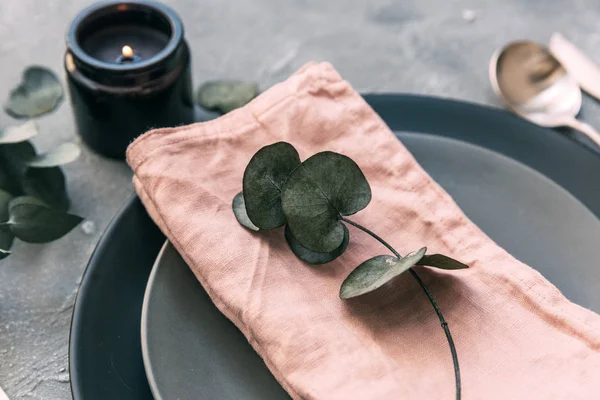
190	349
534	218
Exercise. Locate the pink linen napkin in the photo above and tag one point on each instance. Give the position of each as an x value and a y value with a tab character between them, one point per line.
516	335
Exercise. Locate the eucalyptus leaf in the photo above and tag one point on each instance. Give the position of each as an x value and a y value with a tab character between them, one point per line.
63	154
6	236
318	193
47	184
5	179
5	199
18	133
13	162
239	210
14	156
263	180
34	222
441	261
38	93
376	272
313	257
226	96
4	254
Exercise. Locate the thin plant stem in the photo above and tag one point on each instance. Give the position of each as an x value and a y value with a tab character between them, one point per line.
431	300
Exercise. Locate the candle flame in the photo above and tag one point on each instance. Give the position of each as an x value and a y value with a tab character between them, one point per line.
127	51
69	63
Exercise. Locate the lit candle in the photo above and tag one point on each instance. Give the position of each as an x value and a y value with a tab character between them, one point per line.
127	51
128	69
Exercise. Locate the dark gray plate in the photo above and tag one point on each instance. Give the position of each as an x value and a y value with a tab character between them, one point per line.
192	351
105	357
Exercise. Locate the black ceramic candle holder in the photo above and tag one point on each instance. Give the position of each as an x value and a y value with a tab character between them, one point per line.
128	70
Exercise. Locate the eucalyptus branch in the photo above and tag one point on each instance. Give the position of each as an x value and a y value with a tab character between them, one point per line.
311	199
33	195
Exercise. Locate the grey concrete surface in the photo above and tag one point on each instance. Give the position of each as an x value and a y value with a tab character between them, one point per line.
414	46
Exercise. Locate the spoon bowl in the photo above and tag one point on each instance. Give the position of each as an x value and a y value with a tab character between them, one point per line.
533	84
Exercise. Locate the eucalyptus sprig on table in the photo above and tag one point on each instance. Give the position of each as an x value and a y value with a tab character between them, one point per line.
33	196
313	199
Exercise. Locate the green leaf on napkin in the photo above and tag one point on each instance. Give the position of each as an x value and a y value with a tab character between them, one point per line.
376	272
442	262
318	193
226	96
38	93
31	220
239	210
63	154
263	180
313	257
18	133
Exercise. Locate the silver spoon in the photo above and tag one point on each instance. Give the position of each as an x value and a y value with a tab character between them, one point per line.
533	84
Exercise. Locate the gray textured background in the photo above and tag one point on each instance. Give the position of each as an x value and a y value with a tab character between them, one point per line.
415	46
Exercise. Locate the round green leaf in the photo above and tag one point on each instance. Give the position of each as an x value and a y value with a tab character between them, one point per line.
63	154
34	222
18	133
47	184
5	199
239	210
13	162
226	96
14	157
38	93
264	177
5	179
6	236
376	272
313	257
316	195
441	261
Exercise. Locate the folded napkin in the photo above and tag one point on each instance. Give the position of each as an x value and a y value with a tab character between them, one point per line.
516	335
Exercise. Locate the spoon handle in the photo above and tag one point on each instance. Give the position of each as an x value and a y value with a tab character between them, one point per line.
584	128
585	71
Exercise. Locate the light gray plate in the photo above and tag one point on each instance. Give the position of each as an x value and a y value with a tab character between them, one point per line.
192	352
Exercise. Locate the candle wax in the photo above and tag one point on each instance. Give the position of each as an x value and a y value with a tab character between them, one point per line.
107	44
